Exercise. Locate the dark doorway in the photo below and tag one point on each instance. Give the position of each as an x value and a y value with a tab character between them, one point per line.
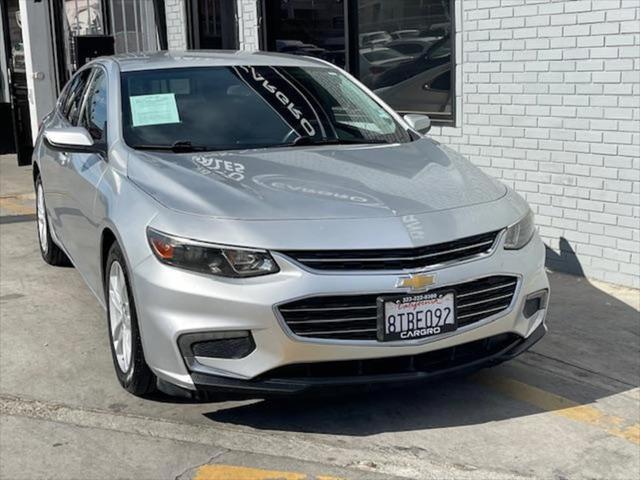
17	83
213	25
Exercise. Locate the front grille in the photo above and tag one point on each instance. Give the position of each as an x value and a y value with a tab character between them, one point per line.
354	317
429	362
395	259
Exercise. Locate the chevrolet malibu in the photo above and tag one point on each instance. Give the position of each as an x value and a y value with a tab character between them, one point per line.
261	222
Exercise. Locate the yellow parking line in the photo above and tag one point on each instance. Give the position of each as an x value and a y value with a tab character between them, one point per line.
13	205
562	406
21	196
233	472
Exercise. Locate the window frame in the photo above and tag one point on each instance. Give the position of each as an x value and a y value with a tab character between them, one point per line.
66	97
95	71
351	36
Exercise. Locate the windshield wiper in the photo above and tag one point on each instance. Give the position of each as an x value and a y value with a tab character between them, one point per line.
307	140
178	147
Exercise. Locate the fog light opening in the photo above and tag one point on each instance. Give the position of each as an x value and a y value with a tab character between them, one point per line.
535	302
224	345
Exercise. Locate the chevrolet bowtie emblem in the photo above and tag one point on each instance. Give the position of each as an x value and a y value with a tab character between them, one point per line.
416	282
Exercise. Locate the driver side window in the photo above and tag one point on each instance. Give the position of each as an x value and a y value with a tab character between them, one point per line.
73	102
94	115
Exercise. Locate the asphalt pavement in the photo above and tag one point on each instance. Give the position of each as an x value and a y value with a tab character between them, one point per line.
569	408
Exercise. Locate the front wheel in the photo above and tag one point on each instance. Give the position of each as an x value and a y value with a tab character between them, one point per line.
51	253
132	371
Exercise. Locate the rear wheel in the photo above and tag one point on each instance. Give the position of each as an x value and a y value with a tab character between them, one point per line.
51	253
132	371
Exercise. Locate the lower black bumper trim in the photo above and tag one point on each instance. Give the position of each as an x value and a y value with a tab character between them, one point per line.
266	385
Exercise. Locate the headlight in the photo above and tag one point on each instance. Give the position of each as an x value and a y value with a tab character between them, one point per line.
212	259
518	235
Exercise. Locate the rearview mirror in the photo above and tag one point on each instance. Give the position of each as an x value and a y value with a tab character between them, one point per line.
71	139
421	123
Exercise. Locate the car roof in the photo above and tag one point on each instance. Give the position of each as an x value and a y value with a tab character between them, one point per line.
208	58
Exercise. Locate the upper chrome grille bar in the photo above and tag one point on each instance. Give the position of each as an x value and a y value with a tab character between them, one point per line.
393	259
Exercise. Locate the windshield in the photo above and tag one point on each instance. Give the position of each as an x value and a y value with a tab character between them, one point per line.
236	107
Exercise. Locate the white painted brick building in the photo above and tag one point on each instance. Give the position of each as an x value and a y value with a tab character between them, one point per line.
547	99
549	102
176	15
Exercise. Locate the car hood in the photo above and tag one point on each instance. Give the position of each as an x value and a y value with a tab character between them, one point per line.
327	182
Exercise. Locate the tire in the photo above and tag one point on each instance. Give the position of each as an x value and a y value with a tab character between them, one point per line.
51	253
132	371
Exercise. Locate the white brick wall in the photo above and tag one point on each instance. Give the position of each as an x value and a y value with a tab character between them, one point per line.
548	101
176	14
248	25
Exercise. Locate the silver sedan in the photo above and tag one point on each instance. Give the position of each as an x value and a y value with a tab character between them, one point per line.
264	222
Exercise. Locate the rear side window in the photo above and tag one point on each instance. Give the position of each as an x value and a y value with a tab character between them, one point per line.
94	116
73	102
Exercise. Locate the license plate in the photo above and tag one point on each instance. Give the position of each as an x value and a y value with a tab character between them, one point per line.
411	317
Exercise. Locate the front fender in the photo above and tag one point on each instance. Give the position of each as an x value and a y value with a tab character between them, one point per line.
125	211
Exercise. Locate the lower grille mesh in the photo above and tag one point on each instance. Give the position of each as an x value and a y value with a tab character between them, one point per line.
354	317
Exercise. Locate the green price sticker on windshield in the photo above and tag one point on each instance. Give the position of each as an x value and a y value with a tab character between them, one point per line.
158	109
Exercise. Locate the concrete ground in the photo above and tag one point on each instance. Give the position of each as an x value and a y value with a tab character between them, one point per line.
569	408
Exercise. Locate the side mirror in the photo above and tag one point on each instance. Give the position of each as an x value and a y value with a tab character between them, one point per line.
421	123
71	139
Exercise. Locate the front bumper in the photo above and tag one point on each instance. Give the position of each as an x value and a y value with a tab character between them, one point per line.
279	382
172	302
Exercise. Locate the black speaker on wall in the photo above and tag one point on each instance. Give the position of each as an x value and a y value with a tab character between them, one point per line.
89	47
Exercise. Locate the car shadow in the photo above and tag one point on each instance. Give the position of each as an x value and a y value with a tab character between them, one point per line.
590	352
565	260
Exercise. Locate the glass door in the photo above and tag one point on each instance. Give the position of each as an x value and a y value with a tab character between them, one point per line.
401	49
306	27
405	53
134	25
17	82
76	18
84	29
213	25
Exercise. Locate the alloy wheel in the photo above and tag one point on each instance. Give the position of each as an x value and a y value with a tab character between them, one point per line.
42	220
120	316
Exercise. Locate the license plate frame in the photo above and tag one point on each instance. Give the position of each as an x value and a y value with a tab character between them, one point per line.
417	333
